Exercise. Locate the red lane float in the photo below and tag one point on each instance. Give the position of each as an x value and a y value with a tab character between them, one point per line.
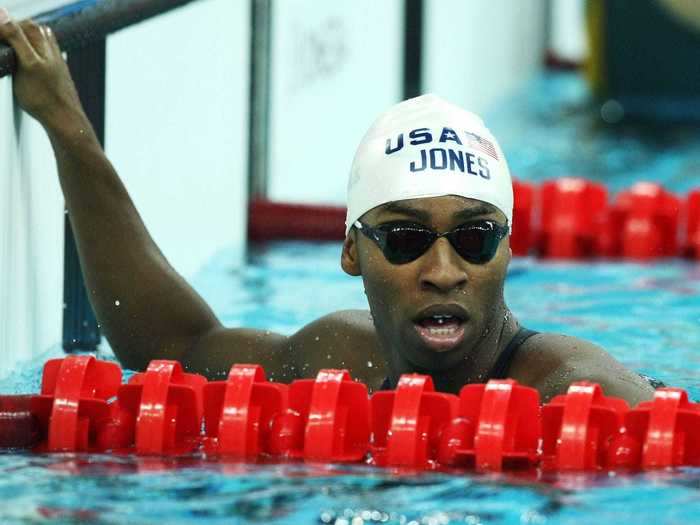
573	214
497	427
647	219
578	428
567	218
407	423
328	420
19	427
238	412
83	407
692	234
164	408
522	237
72	405
663	432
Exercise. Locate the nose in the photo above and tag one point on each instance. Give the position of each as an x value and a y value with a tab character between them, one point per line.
443	270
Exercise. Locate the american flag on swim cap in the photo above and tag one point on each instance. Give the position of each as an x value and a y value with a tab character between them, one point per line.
480	143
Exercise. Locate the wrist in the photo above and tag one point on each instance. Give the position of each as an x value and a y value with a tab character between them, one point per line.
68	125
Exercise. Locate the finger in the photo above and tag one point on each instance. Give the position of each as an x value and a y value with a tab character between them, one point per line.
56	50
12	33
49	51
32	31
53	41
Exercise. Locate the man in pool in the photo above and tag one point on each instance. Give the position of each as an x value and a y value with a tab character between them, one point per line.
429	214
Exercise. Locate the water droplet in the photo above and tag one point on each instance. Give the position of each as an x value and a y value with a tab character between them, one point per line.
612	111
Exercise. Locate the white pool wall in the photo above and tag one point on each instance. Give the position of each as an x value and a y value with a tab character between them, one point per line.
31	237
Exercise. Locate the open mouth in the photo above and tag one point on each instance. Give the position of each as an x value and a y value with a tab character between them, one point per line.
441	331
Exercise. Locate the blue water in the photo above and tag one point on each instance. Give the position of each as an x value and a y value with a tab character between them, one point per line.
646	315
553	128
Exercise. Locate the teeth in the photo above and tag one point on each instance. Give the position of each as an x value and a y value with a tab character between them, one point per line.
442	331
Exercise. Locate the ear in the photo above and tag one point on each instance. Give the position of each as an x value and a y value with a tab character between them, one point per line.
349	260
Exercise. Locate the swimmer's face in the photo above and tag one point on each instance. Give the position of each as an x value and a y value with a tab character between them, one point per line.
432	312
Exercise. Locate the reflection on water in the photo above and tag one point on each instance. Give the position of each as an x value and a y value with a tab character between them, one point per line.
101	489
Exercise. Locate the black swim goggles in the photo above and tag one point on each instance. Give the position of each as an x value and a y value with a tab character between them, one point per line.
402	242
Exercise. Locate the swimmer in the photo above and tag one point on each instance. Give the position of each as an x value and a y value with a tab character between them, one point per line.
429	216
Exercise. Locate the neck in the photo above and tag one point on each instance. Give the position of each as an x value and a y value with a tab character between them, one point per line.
477	365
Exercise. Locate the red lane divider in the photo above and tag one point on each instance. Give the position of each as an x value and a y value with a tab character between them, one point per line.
238	412
566	218
83	407
327	420
578	428
498	425
692	234
522	237
73	401
664	432
407	422
573	214
166	407
277	220
19	427
647	218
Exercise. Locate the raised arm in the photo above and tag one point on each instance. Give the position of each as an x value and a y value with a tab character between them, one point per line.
144	307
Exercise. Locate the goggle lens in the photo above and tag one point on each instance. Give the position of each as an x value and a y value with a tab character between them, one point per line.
475	244
405	244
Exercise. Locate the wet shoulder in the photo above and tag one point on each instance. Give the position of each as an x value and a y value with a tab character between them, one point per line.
549	361
344	339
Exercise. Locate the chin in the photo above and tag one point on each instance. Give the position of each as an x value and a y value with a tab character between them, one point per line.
428	361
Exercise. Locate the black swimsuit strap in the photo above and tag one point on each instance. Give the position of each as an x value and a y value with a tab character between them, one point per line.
500	368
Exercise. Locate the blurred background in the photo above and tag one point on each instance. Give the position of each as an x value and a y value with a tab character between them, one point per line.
217	103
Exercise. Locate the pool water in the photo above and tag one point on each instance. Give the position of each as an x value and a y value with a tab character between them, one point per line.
646	315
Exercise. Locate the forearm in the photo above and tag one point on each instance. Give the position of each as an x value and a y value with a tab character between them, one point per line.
144	307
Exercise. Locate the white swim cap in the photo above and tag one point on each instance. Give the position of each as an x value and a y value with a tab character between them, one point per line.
427	147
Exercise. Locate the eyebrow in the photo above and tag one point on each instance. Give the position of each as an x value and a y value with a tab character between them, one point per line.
465	214
474	211
403	209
